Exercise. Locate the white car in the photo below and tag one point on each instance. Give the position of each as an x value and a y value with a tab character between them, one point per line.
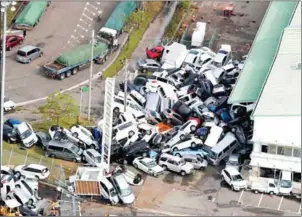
192	56
146	128
161	73
183	91
8	105
118	105
205	60
57	133
33	171
84	135
223	56
190	126
148	165
233	178
188	98
92	157
124	130
27	134
125	117
188	142
175	164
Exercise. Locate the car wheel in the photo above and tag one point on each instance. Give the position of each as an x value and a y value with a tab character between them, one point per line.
236	74
52	156
178	155
68	73
74	160
149	132
182	137
83	158
164	167
271	193
9	48
37	177
256	191
43	147
222	178
193	144
193	128
135	165
9	141
131	133
202	168
41	54
74	71
232	187
175	149
183	173
29	60
144	70
149	121
18	174
30	202
145	154
75	134
125	162
62	76
18	186
116	110
169	121
20	42
8	197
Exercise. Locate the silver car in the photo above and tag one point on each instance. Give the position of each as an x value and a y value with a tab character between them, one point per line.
198	162
92	157
28	53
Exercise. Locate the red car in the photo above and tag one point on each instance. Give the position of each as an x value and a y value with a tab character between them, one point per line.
12	41
154	53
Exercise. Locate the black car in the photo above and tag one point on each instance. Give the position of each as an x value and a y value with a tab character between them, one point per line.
170	117
134	150
10	135
130	87
43	139
182	109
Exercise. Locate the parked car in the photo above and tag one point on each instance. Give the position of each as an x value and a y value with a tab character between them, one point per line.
92	157
124	130
27	134
154	53
8	105
175	164
129	153
182	109
12	122
33	171
223	56
148	65
187	142
193	56
59	133
171	117
190	151
122	187
198	162
234	161
233	178
10	134
43	139
190	126
148	165
84	135
12	41
64	149
28	53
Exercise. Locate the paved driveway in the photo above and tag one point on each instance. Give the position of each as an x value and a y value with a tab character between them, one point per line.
62	26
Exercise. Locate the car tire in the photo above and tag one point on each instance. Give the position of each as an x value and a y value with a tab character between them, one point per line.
83	158
74	160
62	76
175	149
43	147
182	137
193	128
232	187
75	135
93	146
202	168
164	167
182	173
135	166
144	154
9	48
178	155
256	191
18	186
41	54
37	177
125	162
149	132
29	60
52	156
68	74
74	71
222	179
30	202
9	141
193	144
271	193
169	121
116	110
8	197
131	133
149	121
144	71
18	174
1	185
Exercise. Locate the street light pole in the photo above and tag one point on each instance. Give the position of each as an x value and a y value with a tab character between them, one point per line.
90	76
4	6
126	85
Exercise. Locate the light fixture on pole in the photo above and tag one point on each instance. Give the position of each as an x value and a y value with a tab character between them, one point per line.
4	6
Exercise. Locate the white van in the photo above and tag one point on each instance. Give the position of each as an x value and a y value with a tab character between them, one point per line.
27	134
198	34
223	149
212	138
175	164
173	56
134	97
124	130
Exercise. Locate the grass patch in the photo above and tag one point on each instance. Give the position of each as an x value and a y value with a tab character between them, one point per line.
152	9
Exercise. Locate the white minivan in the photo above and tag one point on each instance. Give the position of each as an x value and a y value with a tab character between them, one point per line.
27	134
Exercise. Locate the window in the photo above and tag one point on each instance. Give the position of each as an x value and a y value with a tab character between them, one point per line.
188	160
272	149
104	187
286	151
271	185
163	159
297	152
297	177
264	148
171	162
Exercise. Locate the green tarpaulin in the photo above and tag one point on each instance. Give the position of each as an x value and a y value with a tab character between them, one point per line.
81	54
120	14
31	13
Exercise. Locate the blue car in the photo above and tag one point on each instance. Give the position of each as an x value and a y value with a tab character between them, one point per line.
190	151
202	133
224	115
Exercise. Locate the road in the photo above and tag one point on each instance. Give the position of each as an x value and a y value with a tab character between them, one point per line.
62	26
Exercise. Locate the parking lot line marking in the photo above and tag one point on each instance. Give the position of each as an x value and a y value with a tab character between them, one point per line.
260	200
280	203
86	9
240	196
81	27
299	209
87	17
92	6
83	21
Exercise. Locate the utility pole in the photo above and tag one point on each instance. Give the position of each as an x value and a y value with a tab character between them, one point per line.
126	85
3	9
90	76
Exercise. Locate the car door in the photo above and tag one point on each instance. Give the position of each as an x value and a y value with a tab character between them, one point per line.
36	53
59	152
68	155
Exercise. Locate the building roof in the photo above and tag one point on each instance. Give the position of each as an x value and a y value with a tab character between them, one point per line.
281	93
261	55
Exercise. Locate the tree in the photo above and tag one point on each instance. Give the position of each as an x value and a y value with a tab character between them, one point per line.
59	109
134	20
